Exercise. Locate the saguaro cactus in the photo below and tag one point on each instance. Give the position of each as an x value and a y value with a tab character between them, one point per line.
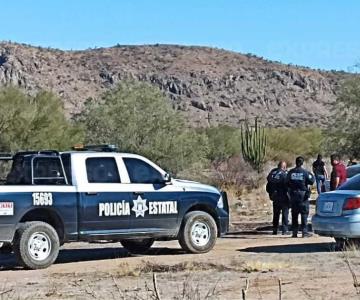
253	144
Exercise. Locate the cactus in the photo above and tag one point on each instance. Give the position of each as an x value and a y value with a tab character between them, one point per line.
253	144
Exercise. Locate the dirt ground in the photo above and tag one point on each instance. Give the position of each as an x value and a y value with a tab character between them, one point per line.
305	268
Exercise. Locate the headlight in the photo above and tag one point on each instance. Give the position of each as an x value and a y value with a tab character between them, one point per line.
220	203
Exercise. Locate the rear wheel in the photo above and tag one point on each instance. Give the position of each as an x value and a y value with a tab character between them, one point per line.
36	245
342	244
198	232
137	246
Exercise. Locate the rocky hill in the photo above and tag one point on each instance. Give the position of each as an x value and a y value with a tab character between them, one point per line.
208	85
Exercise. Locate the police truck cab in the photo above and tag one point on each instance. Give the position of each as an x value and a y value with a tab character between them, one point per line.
50	198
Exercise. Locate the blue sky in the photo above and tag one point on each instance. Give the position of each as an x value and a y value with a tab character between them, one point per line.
316	33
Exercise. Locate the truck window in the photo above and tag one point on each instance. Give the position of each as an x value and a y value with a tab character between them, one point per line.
102	170
48	170
20	173
141	172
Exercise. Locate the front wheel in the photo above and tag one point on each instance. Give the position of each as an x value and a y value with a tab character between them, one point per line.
198	232
36	245
137	246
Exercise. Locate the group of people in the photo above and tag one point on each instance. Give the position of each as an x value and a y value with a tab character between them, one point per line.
291	190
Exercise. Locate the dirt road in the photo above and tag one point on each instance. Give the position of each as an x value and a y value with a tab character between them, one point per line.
308	269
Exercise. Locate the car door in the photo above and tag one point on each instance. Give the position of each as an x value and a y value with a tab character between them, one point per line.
154	203
105	206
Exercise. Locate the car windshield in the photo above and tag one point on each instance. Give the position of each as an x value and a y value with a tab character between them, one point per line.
351	184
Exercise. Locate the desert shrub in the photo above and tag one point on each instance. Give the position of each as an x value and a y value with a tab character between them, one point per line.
287	143
34	122
236	172
139	119
344	128
224	142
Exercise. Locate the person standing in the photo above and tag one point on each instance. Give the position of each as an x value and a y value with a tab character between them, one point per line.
351	162
298	181
338	174
277	190
320	172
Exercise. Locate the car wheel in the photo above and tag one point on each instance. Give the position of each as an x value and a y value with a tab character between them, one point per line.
36	245
353	243
137	246
342	244
198	232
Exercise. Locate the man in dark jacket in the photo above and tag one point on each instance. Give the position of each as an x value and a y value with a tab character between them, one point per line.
320	173
298	180
278	194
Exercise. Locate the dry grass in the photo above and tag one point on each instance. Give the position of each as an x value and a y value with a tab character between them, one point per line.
190	266
264	267
149	267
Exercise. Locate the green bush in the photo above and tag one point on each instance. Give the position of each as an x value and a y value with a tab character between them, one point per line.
139	119
287	143
34	122
345	130
224	142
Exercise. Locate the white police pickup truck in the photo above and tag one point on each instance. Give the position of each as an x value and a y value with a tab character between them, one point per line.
51	198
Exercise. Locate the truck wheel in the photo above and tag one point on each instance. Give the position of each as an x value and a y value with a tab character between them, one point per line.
198	232
36	245
137	246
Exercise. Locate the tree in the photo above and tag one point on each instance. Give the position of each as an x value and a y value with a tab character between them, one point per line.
224	142
345	128
139	119
34	122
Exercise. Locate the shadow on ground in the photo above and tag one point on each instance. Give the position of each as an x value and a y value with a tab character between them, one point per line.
8	261
292	248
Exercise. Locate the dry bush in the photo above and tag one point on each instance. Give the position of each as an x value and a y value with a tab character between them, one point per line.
236	172
261	266
191	291
147	267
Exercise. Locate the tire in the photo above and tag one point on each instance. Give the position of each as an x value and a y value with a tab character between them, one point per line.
343	244
36	245
137	246
340	244
198	232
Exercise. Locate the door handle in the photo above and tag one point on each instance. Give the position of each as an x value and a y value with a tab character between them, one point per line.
92	193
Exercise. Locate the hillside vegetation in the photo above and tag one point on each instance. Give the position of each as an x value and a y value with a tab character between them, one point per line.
208	86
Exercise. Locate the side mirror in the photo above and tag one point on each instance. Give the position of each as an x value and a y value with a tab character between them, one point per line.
167	177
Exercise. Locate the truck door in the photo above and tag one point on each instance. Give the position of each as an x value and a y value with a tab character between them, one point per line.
154	204
104	205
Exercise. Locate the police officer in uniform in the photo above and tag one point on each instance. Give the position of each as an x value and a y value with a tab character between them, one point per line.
298	180
278	194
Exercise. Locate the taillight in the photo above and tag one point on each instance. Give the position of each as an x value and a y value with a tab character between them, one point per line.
351	203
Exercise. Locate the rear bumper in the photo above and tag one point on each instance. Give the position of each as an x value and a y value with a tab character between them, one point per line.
223	226
342	226
224	213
